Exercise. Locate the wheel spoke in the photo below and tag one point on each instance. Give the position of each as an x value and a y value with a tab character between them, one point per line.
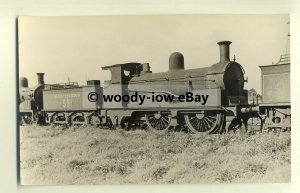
210	120
204	128
151	120
201	126
164	119
207	125
161	124
193	120
212	117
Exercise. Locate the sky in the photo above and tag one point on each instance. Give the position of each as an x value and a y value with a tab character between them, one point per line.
76	48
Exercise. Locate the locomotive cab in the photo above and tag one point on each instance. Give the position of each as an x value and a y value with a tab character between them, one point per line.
122	73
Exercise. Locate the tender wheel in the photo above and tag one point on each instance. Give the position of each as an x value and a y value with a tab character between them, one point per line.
159	120
204	122
95	120
27	119
109	124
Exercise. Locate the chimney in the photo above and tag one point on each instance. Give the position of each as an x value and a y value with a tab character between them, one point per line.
40	78
224	51
23	82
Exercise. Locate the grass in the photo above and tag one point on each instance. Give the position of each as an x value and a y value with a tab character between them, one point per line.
56	156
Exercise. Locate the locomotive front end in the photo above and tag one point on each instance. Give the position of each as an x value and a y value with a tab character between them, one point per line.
30	99
227	75
222	83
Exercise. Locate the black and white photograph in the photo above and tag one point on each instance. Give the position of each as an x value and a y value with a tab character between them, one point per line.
154	99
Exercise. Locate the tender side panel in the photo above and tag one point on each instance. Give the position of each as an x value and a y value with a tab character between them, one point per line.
70	99
276	84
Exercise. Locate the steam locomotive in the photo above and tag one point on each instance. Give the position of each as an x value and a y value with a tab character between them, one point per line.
226	106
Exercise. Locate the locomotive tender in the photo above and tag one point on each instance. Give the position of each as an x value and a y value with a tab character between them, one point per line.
226	107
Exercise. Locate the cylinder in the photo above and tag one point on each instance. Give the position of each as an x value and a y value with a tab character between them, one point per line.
176	61
23	82
224	51
40	77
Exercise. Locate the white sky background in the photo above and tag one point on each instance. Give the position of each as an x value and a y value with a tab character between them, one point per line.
77	47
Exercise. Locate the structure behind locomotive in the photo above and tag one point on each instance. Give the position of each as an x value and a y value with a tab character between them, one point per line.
275	107
65	104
